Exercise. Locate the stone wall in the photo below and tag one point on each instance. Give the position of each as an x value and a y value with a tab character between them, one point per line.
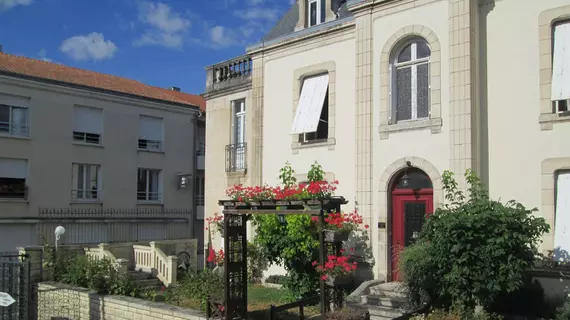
59	301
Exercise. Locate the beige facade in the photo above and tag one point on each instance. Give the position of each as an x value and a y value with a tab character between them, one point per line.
50	152
488	105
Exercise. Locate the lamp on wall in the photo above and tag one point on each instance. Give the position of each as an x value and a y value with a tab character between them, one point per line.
281	218
405	177
184	181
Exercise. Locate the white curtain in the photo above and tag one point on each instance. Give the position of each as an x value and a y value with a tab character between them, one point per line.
19	121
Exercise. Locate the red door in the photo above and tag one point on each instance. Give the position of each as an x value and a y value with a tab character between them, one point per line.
409	210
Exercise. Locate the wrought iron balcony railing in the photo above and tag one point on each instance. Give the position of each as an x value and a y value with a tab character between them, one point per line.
236	157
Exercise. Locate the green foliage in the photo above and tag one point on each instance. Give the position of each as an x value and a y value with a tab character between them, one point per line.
277	279
98	275
472	250
316	173
287	175
563	312
197	286
349	313
256	262
457	314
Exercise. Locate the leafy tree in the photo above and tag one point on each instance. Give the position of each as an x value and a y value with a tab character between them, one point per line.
293	244
472	249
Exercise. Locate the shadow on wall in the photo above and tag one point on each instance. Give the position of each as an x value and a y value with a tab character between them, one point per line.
358	246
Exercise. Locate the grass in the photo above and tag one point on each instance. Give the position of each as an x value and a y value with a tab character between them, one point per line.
260	299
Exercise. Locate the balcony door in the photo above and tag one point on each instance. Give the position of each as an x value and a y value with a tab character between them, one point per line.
238	138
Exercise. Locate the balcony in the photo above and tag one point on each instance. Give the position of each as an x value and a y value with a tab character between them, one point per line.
230	74
236	157
201	156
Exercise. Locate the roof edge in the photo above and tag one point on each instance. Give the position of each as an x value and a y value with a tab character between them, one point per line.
95	89
301	33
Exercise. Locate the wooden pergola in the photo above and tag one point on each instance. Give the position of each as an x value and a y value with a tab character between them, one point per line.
236	215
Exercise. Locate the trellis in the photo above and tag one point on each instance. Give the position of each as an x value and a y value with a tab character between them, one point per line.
236	215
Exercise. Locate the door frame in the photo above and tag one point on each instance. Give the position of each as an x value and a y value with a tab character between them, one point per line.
400	192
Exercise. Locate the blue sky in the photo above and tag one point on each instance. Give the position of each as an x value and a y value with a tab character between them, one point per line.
163	43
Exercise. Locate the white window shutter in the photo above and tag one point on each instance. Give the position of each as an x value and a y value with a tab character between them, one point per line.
310	104
150	128
88	120
13	168
561	63
562	222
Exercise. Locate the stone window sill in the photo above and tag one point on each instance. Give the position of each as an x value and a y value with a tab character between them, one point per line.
8	200
433	124
151	151
11	136
85	144
547	120
236	174
330	143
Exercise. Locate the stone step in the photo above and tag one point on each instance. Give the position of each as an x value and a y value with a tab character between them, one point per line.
383	301
138	275
149	283
384	312
390	290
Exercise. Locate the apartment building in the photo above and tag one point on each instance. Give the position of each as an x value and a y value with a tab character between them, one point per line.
110	159
388	94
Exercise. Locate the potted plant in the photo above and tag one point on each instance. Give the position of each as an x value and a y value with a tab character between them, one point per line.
338	226
336	271
216	224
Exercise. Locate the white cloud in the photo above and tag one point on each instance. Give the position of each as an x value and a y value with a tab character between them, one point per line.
92	46
9	4
222	37
42	54
258	14
254	2
164	26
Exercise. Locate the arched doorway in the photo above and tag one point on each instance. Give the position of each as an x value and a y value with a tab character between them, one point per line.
411	199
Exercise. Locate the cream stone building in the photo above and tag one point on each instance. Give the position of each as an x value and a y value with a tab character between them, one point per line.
388	94
110	159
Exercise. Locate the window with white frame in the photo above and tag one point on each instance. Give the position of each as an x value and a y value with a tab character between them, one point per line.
13	173
312	113
316	12
86	182
562	214
560	68
150	136
149	186
13	120
237	150
88	124
410	81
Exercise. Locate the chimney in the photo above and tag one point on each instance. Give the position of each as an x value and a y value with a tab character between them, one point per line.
175	89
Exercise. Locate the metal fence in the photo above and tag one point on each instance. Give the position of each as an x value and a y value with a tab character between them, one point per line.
15	287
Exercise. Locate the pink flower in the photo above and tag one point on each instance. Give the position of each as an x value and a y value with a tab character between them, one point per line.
324	277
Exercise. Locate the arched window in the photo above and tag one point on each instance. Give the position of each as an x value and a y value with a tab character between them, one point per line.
410	81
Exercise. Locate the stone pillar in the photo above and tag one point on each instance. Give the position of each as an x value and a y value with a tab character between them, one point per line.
255	118
35	256
302	15
463	109
364	119
172	262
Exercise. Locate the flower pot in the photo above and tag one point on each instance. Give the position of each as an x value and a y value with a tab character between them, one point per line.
338	281
335	236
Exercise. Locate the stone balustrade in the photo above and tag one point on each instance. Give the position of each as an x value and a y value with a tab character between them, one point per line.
229	74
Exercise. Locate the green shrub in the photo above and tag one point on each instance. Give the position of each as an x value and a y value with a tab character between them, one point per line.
350	313
277	279
197	286
98	275
563	312
256	262
473	249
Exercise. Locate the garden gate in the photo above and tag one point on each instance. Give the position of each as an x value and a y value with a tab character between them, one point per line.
15	286
236	214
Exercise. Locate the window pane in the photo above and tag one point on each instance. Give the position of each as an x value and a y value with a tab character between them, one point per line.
404	94
323	126
312	14
141	184
4	119
80	180
423	49
19	121
92	182
153	185
323	10
423	90
12	188
405	54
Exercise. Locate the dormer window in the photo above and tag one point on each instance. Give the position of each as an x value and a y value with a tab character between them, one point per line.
316	13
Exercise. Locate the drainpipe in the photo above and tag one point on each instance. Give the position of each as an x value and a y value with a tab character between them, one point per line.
194	178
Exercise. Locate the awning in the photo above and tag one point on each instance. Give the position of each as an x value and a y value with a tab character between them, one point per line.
561	63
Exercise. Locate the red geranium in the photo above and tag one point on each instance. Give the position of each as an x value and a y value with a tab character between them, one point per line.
335	266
